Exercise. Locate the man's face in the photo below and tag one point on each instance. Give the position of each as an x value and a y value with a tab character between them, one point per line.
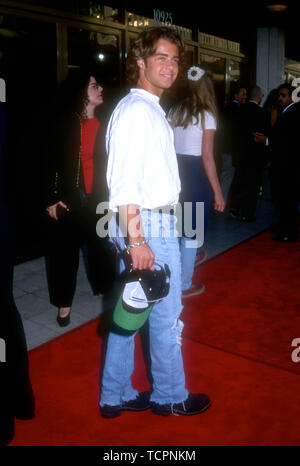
159	71
284	97
241	96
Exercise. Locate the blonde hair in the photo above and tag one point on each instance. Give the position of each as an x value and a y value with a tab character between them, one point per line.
200	97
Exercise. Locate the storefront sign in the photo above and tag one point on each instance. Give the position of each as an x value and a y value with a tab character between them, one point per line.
218	42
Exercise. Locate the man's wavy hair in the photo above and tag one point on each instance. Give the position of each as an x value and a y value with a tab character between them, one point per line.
145	45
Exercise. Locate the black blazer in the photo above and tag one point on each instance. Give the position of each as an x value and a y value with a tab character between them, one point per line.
256	121
257	118
232	132
285	140
62	167
229	119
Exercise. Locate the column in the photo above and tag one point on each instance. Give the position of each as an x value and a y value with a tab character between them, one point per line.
270	51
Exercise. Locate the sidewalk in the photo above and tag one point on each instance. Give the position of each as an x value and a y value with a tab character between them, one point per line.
31	291
38	315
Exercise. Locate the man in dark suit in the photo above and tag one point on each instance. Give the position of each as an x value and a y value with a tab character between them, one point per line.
228	137
253	156
285	167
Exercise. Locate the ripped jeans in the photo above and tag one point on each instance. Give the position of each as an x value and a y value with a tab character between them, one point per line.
164	328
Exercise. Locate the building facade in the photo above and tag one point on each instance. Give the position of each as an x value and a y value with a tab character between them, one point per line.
42	41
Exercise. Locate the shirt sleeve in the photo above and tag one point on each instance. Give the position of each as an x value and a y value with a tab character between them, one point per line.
127	135
210	121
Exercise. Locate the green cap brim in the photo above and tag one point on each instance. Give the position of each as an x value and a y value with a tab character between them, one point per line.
129	320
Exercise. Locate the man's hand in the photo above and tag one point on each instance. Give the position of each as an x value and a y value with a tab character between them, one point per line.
142	257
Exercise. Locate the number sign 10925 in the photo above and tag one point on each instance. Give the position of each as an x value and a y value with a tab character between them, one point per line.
162	16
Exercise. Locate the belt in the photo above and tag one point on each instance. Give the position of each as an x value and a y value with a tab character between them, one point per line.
167	209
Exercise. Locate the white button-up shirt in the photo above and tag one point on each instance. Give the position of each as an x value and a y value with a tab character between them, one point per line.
142	166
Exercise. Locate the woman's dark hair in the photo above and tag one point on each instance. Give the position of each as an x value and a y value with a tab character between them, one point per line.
272	99
72	92
145	45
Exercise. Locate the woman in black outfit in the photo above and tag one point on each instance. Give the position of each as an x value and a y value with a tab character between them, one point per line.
75	185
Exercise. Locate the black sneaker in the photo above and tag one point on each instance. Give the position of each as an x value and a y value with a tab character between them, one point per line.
110	411
194	404
140	403
161	410
285	238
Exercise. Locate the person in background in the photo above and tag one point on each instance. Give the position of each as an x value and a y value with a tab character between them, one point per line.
285	165
75	184
272	111
228	140
254	157
193	120
16	393
271	106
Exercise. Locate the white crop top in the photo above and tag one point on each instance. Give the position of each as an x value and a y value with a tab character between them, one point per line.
189	141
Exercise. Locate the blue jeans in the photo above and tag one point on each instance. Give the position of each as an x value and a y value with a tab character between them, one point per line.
195	188
165	328
188	256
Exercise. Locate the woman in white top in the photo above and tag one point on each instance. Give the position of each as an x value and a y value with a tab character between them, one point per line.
194	122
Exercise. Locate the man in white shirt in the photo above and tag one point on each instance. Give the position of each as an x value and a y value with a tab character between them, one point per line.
142	177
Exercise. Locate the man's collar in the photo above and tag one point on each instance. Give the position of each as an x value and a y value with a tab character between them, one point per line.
145	93
288	106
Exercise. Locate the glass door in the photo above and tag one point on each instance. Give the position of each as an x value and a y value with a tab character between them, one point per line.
238	71
100	49
217	67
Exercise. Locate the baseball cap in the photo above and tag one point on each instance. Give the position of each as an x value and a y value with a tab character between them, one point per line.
142	289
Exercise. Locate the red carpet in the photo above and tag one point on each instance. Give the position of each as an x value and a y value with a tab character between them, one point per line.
251	306
236	346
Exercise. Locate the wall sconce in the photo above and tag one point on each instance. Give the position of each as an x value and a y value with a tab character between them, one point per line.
277	6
